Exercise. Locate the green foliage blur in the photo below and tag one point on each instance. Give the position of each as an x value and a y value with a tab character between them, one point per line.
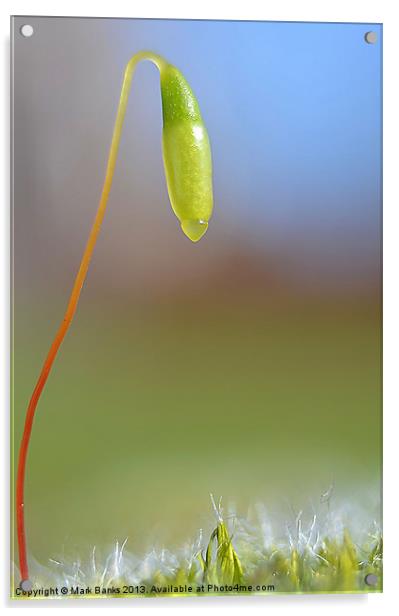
151	407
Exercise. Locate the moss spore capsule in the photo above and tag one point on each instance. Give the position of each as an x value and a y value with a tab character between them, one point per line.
186	154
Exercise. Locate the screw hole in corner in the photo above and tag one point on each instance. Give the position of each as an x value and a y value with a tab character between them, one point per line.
371	579
370	38
26	585
26	30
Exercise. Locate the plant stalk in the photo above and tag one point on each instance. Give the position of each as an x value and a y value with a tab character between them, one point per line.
73	301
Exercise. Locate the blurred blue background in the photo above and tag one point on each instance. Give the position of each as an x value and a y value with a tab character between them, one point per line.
294	114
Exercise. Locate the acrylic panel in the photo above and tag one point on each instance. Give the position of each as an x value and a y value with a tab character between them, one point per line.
206	413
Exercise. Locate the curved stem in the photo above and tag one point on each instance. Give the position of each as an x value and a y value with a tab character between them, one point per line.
73	300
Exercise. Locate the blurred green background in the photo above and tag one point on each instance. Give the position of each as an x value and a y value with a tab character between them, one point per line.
247	365
151	407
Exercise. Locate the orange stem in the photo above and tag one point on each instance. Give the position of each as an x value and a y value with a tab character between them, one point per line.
73	302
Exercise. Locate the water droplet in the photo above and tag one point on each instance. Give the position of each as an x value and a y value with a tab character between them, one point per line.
194	229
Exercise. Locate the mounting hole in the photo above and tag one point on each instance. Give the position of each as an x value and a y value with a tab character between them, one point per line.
26	585
370	38
26	30
371	579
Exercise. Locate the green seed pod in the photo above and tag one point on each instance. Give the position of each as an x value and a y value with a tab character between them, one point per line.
186	154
